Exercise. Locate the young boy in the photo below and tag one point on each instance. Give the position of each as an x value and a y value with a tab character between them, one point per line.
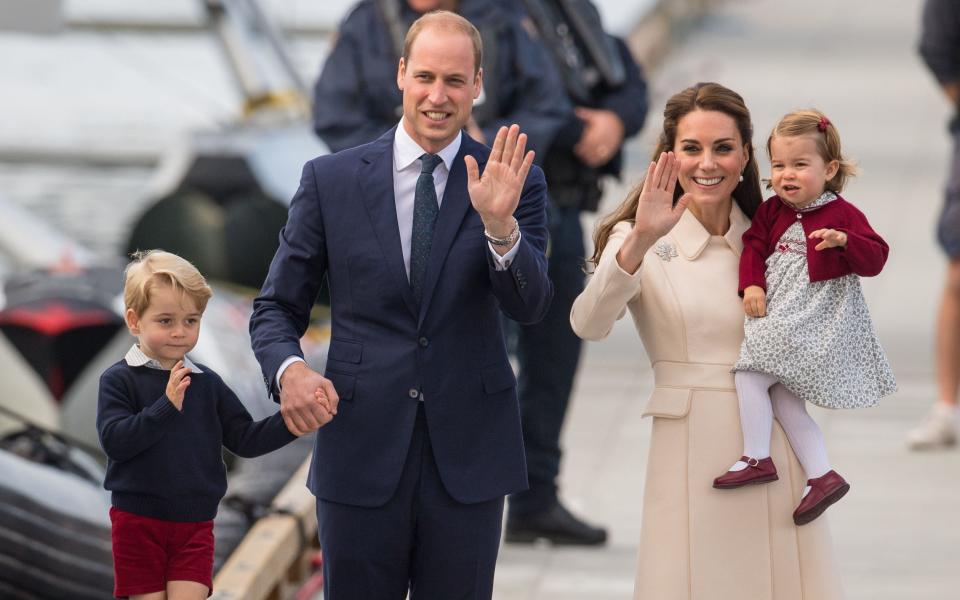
165	469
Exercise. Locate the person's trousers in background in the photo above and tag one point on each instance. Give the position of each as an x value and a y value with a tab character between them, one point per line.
548	354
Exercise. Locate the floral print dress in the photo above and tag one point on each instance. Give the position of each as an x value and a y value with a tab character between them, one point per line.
817	337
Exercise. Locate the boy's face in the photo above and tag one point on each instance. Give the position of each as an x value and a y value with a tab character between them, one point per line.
168	328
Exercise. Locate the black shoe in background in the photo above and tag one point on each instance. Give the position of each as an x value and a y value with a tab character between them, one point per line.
556	525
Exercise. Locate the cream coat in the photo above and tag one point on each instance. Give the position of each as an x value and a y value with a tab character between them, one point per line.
698	543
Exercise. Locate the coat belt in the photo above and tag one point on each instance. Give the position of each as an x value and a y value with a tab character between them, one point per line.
711	376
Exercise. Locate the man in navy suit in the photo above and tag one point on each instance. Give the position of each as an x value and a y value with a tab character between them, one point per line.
421	436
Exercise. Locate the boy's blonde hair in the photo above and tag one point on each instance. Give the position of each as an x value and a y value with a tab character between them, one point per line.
812	122
151	268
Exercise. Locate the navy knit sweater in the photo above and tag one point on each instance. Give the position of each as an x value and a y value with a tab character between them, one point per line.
167	464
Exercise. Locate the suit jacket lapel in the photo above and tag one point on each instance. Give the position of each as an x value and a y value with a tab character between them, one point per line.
375	175
453	208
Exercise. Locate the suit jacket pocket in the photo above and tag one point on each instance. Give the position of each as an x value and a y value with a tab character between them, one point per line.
497	378
345	351
670	403
344	383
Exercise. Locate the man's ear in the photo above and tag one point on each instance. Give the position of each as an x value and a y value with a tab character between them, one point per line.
401	69
133	321
478	83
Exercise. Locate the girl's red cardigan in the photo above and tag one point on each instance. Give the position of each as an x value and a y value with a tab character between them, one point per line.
865	253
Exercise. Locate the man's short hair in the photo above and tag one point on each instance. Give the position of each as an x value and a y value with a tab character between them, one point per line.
447	21
152	268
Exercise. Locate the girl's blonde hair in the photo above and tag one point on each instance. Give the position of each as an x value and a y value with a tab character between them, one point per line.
814	123
152	268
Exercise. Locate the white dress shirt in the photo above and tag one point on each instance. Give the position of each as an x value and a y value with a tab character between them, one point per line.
136	358
406	171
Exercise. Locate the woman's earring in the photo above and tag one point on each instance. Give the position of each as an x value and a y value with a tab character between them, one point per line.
741	176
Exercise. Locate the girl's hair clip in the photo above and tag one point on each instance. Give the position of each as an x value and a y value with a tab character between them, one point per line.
822	125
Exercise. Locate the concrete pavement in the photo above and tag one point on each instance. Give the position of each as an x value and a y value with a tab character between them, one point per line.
897	533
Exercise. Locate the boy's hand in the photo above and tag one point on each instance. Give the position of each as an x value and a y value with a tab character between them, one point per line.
831	238
178	383
755	301
321	395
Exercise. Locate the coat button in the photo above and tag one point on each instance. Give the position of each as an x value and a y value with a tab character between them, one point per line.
414	393
424	342
799	216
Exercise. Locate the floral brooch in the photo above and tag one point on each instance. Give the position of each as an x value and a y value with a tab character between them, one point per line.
665	251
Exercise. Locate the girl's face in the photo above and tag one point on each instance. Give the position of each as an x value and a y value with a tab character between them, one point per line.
712	156
798	172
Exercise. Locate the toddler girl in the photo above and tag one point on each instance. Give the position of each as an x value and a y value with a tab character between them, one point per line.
807	335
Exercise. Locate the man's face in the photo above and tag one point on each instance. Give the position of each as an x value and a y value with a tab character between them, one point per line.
438	86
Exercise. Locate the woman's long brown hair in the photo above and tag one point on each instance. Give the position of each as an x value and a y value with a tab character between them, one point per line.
703	96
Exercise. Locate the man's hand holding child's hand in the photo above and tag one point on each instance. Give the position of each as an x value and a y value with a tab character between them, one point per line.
308	401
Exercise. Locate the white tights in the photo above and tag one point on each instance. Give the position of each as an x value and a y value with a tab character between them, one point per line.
762	397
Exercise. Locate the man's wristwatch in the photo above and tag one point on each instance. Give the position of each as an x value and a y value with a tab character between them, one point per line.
511	238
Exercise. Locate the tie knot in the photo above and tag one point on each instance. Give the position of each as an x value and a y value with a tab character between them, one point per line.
429	162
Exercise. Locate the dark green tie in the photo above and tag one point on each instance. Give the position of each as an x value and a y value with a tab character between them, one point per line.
425	211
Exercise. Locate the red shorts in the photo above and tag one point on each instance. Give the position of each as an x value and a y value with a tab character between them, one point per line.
147	553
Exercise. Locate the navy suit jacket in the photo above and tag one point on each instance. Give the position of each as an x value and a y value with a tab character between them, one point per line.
384	346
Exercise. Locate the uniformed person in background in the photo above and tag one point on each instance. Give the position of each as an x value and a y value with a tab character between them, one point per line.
608	89
356	97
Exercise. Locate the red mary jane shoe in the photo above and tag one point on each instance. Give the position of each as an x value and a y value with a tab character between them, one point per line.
824	491
757	471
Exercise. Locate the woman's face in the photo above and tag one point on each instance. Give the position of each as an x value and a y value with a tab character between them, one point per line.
712	156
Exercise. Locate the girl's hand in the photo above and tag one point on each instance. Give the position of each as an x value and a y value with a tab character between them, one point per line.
831	238
755	301
656	214
178	383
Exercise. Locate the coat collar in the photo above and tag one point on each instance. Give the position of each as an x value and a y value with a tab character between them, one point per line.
691	237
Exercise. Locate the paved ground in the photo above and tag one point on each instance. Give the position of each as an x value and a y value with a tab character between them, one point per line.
897	533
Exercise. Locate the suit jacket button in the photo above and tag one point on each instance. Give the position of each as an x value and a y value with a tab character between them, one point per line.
414	393
424	342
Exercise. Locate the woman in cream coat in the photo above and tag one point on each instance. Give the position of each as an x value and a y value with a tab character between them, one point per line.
669	254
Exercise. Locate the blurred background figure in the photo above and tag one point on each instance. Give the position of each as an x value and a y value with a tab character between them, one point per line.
356	96
608	90
940	48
